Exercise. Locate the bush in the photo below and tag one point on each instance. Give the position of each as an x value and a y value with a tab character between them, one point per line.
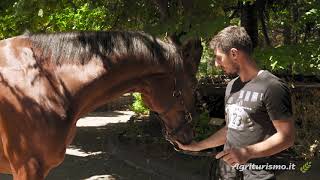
206	66
291	59
138	106
302	59
202	127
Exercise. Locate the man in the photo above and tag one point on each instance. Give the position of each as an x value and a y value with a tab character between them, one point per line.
259	123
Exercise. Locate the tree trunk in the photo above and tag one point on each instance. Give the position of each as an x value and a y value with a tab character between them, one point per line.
249	21
261	11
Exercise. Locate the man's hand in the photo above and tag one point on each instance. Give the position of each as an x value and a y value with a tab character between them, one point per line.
234	156
190	147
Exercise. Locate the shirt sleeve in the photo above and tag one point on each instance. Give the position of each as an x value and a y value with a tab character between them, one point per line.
277	100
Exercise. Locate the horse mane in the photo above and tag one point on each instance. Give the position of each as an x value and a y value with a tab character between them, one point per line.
82	47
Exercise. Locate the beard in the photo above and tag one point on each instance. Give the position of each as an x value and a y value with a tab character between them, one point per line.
232	71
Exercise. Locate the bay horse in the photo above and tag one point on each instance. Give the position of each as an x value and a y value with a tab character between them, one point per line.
49	81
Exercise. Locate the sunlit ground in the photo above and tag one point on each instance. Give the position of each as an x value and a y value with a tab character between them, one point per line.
101	177
74	151
92	121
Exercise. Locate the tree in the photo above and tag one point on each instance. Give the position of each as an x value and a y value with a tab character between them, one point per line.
270	23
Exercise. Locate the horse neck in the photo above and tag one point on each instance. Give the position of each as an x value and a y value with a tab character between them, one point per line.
94	84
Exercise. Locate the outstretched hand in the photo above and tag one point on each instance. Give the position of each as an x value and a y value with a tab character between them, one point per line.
190	147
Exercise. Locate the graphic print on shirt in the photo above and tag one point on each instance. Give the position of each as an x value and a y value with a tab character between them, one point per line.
237	115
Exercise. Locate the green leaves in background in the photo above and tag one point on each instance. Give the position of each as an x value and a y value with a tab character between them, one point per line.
291	59
82	18
138	106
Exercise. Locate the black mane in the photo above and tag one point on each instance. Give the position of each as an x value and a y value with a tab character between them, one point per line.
81	47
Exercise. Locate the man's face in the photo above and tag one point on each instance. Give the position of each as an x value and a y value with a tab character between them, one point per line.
226	62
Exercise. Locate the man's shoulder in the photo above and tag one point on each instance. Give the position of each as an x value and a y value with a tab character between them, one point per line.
274	85
267	75
270	79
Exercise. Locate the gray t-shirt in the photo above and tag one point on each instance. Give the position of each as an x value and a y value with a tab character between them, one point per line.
252	106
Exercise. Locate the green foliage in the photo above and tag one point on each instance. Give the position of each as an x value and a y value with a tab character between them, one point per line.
206	66
311	13
138	106
49	16
312	16
291	59
206	59
202	127
67	15
82	18
299	20
203	19
306	102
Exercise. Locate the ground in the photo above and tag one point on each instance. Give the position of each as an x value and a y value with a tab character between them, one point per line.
109	147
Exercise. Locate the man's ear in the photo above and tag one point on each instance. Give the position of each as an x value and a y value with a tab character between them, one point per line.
234	52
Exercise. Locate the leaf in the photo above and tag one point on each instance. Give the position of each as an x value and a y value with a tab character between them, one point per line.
40	13
274	65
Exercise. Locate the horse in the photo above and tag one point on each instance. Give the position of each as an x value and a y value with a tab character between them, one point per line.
50	80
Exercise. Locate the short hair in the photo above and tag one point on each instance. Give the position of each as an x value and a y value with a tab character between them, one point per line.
232	37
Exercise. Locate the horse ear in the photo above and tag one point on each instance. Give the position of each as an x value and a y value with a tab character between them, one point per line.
191	54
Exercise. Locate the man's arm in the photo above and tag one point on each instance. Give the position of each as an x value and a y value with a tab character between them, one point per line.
281	140
216	139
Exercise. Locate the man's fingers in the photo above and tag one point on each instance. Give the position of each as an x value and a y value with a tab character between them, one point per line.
228	159
221	154
231	163
180	146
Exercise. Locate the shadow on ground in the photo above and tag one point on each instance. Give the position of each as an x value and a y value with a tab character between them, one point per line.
135	151
128	151
131	150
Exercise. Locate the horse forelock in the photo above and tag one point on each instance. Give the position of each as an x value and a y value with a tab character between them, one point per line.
82	47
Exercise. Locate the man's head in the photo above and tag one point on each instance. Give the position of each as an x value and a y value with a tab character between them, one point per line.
231	47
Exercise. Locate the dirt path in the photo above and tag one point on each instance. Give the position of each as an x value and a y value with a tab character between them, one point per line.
101	151
104	149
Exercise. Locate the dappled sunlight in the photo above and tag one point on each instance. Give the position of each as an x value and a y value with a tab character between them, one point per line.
93	121
74	151
101	177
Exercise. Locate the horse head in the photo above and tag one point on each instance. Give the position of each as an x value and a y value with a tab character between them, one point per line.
172	95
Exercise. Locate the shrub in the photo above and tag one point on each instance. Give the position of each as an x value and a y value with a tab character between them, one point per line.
138	106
